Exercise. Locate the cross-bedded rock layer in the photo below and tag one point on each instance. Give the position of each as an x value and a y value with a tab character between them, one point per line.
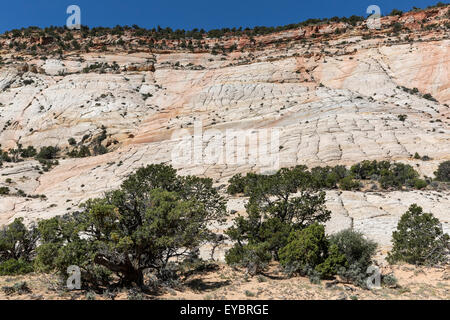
333	103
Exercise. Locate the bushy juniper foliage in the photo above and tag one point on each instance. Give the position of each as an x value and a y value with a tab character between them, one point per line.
154	220
419	239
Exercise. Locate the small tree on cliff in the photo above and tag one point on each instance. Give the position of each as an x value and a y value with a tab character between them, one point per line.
156	219
273	213
443	172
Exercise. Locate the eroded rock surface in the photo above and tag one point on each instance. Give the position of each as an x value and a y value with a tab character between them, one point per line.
333	103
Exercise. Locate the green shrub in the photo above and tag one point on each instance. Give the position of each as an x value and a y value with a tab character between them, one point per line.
365	169
82	153
308	252
236	184
397	175
419	184
305	247
72	141
15	267
358	252
29	152
419	239
389	280
253	257
334	262
429	97
273	213
4	190
18	242
443	172
325	177
154	217
4	156
348	183
100	149
47	153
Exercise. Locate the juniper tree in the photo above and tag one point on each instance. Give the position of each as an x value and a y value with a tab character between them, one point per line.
154	220
419	239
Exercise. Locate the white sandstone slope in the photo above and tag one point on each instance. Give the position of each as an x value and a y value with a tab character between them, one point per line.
334	102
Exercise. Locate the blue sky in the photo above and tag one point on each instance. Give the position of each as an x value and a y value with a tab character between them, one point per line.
206	14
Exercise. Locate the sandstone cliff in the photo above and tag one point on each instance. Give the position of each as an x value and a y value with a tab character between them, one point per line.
336	98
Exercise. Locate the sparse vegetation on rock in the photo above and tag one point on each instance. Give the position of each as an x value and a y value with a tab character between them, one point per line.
273	213
155	216
443	172
389	175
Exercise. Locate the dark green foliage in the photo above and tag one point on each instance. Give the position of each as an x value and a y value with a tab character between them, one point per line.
367	169
236	184
419	239
4	190
18	242
65	38
429	97
397	27
308	252
100	149
15	267
334	262
29	152
305	247
398	175
253	257
358	252
273	213
419	184
155	216
72	141
443	172
15	155
328	177
348	183
84	152
4	156
389	281
47	153
81	153
390	175
47	164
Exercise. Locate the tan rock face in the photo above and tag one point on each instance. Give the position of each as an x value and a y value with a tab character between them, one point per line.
332	103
